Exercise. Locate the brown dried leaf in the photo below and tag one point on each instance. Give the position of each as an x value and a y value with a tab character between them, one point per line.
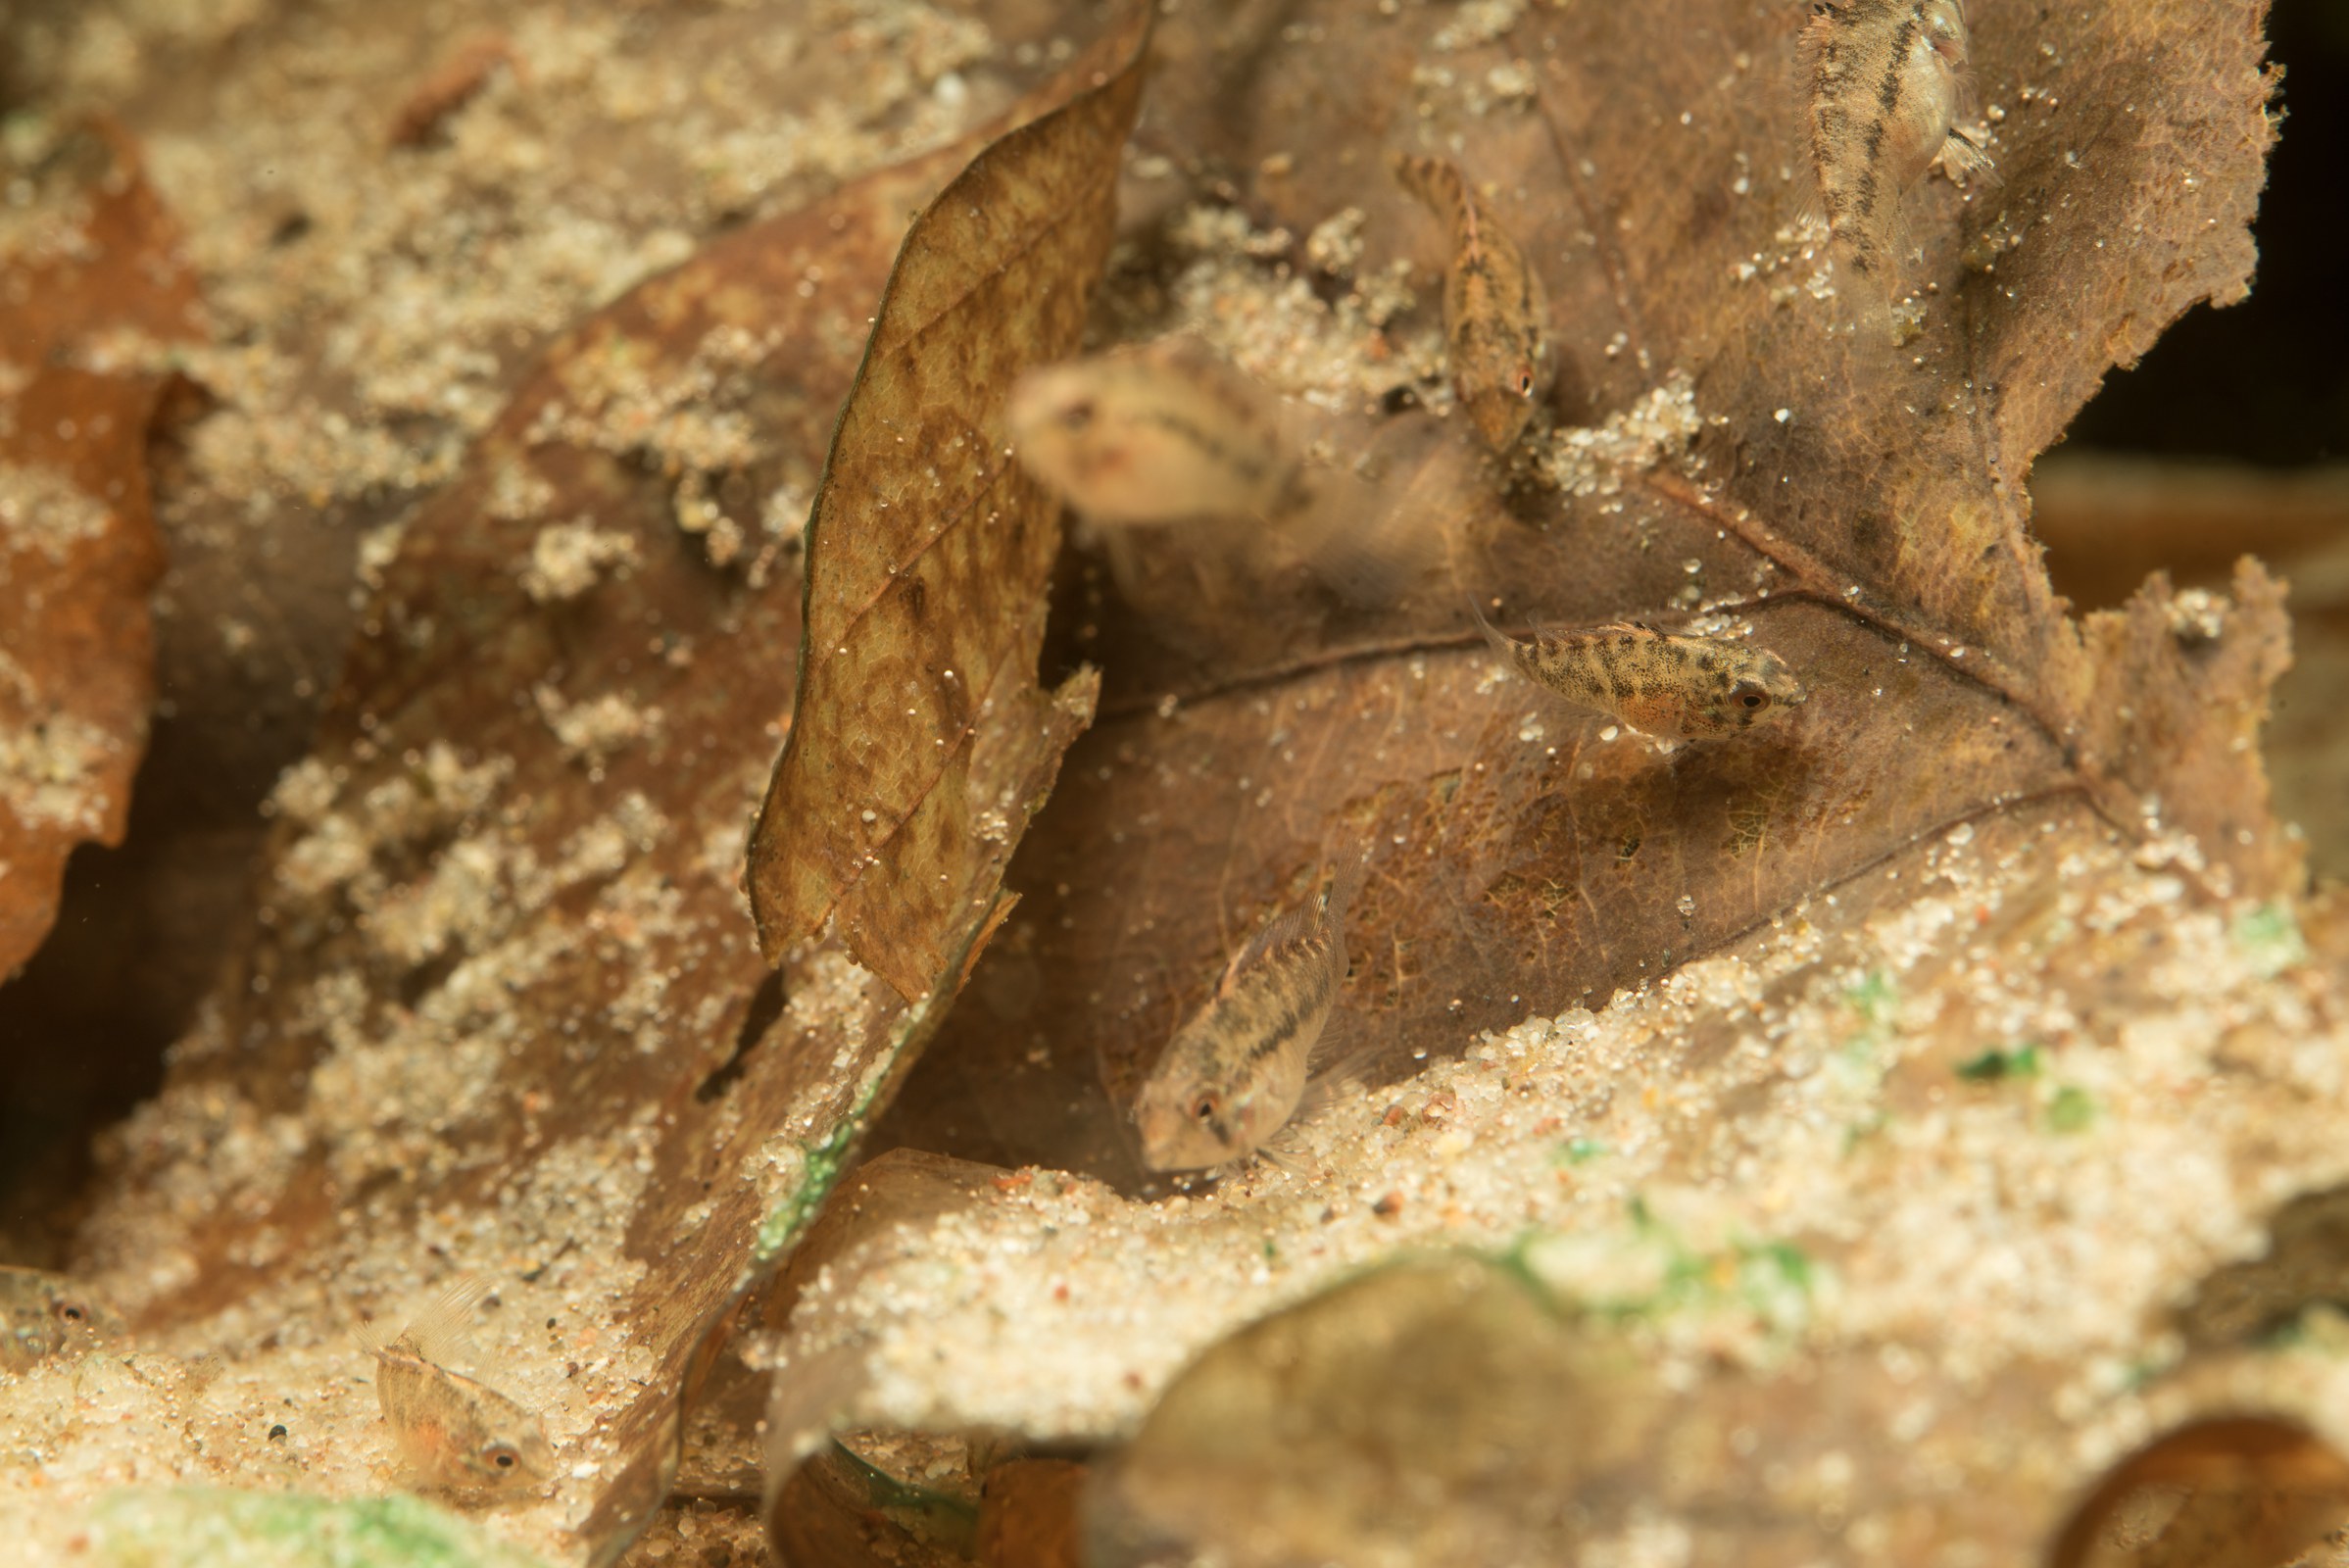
2225	1492
1447	1411
502	1012
1868	524
1030	1515
1781	1182
920	742
77	545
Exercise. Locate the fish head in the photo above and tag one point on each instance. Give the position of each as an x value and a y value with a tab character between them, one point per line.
1188	1124
1500	411
521	1457
1761	691
1185	1126
44	1314
490	1443
1055	423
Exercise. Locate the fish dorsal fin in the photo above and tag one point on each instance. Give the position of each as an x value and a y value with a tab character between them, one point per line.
1345	883
373	1335
1288	928
442	1332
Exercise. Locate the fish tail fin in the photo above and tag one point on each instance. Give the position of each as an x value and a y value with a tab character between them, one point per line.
1500	639
441	1331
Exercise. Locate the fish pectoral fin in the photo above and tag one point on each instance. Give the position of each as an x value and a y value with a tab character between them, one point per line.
1962	157
1289	1155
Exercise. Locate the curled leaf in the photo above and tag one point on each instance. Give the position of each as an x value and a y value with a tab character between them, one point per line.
920	742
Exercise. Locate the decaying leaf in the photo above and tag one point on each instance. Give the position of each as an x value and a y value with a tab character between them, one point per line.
1449	1410
502	1013
1030	1515
1427	1412
2230	1491
78	546
1932	1155
1720	463
920	742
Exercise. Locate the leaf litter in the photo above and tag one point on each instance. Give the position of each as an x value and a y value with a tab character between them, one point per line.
1529	856
91	252
1760	498
503	1015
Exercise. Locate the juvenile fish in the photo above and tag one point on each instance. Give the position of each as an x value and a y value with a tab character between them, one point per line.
1671	687
1233	1076
1886	81
455	1433
1156	433
1495	312
44	1315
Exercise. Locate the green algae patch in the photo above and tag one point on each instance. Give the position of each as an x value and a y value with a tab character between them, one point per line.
201	1527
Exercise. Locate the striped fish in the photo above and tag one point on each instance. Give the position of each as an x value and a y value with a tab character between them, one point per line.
1496	319
1160	433
1671	687
1885	80
455	1433
1233	1076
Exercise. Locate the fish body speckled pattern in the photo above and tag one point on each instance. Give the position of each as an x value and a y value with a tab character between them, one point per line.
1496	318
1158	433
1234	1074
1671	687
1885	80
453	1432
45	1315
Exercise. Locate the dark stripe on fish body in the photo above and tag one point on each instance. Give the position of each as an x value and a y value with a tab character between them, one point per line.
1251	469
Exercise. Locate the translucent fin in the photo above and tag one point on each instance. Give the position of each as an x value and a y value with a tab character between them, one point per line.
1501	644
1282	1153
1434	181
375	1336
441	1332
1344	884
1288	928
1963	158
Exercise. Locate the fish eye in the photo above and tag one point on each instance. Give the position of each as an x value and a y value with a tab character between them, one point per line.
72	1311
1077	415
502	1456
1205	1108
1525	383
1750	697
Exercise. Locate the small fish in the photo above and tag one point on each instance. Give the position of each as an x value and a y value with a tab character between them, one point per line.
1155	433
455	1433
1671	687
1233	1076
44	1315
1885	80
1494	309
